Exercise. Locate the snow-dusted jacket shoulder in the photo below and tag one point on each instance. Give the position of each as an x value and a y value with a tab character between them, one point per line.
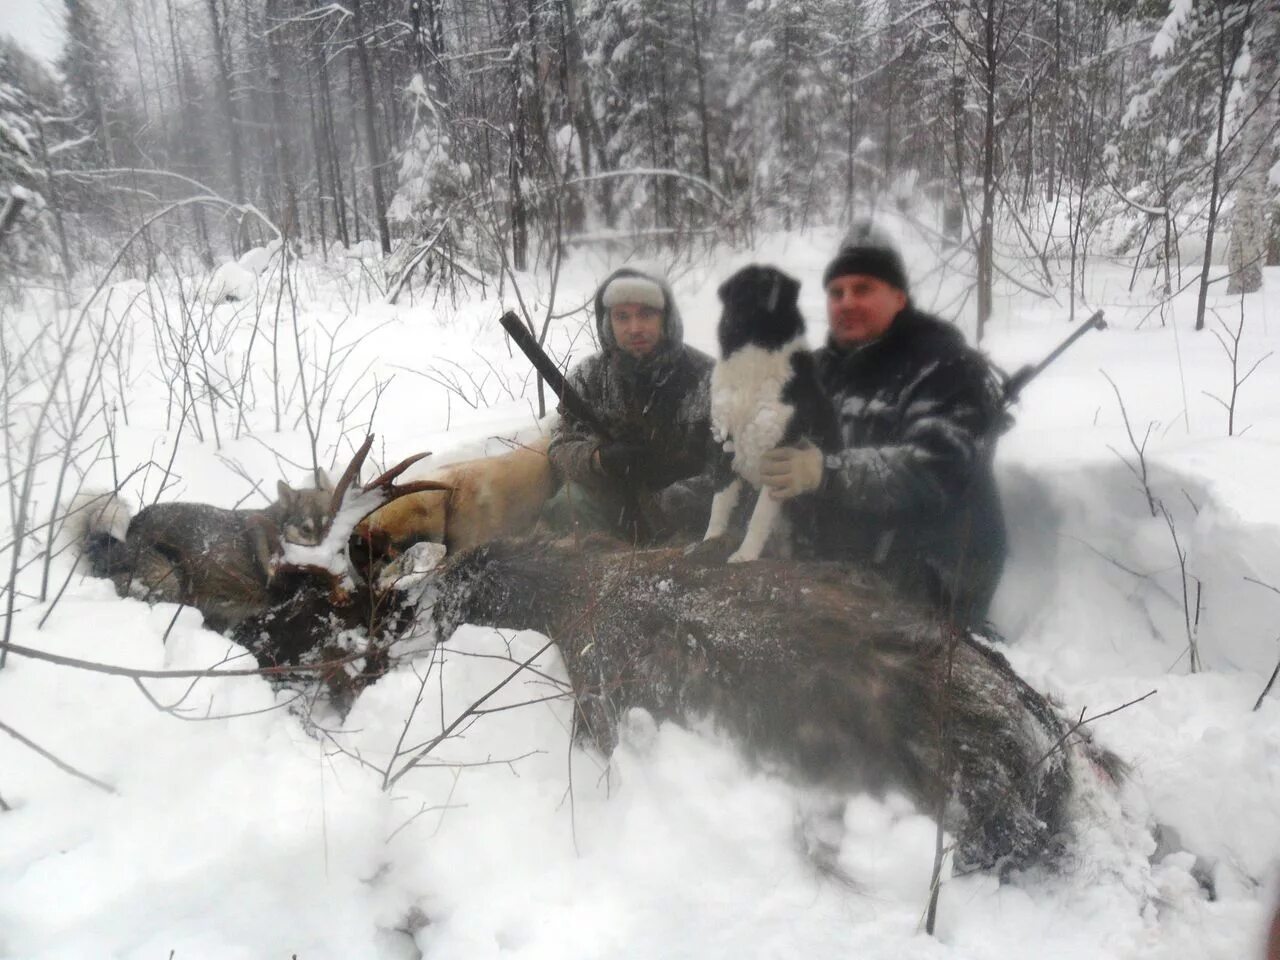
663	404
912	487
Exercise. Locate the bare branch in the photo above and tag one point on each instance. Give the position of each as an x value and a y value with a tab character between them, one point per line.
60	764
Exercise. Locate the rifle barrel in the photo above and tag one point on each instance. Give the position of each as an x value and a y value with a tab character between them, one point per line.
1022	377
529	346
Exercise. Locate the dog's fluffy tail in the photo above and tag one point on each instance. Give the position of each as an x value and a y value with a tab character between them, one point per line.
98	522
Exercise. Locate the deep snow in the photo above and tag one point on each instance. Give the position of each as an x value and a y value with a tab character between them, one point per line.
262	836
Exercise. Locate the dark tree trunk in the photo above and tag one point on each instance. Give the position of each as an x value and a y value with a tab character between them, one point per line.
333	158
590	136
700	71
428	46
517	154
318	153
292	225
986	228
223	76
55	205
190	148
1225	63
370	128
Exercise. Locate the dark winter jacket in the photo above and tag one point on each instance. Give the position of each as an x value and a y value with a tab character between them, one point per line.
661	401
912	492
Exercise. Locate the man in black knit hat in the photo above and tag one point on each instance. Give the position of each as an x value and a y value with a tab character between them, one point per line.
911	493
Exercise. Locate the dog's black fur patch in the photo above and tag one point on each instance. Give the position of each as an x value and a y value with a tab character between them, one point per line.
761	309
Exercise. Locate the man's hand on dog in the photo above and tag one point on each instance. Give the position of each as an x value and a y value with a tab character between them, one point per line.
790	471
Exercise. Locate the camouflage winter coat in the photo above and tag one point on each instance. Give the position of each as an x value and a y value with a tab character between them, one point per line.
912	490
661	401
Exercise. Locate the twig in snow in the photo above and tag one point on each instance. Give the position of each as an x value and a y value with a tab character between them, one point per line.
60	764
1233	355
1192	624
465	715
134	673
1267	689
1140	450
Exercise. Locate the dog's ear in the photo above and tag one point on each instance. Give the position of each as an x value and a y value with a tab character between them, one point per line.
739	280
725	288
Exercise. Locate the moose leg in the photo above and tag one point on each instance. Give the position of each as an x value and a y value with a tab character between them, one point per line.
722	505
763	519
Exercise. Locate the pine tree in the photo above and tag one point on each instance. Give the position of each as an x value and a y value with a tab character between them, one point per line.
27	244
431	181
86	64
646	104
779	105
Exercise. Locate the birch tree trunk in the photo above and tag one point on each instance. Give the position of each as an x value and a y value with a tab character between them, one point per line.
1247	246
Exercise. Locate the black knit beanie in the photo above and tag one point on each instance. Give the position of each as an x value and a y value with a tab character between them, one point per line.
865	251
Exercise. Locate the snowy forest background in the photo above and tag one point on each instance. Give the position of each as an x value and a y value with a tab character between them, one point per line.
237	236
486	129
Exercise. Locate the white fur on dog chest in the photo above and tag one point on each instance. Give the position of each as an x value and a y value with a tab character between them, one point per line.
747	406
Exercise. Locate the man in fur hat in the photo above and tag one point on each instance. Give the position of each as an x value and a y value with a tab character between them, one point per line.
650	391
911	493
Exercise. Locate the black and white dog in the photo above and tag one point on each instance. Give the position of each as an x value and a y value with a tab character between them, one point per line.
765	393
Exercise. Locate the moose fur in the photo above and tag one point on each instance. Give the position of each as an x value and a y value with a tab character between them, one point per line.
810	667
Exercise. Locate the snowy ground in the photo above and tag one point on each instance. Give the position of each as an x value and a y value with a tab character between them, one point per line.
252	836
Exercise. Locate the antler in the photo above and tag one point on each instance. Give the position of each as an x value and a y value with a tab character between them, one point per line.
383	488
390	490
383	484
395	471
349	475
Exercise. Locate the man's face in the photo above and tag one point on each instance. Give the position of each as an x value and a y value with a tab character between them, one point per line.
636	327
861	308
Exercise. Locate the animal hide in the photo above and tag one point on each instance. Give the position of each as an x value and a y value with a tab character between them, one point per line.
810	667
488	497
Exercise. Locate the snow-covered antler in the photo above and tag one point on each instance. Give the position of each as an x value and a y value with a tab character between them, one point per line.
376	493
350	504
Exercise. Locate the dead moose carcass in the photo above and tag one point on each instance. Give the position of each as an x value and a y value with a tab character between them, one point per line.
278	580
806	665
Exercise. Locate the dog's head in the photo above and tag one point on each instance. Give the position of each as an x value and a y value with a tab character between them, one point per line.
759	310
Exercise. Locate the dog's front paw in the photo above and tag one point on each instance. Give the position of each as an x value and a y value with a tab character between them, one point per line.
742	556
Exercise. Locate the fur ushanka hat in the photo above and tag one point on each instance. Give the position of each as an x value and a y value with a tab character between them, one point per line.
634	288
